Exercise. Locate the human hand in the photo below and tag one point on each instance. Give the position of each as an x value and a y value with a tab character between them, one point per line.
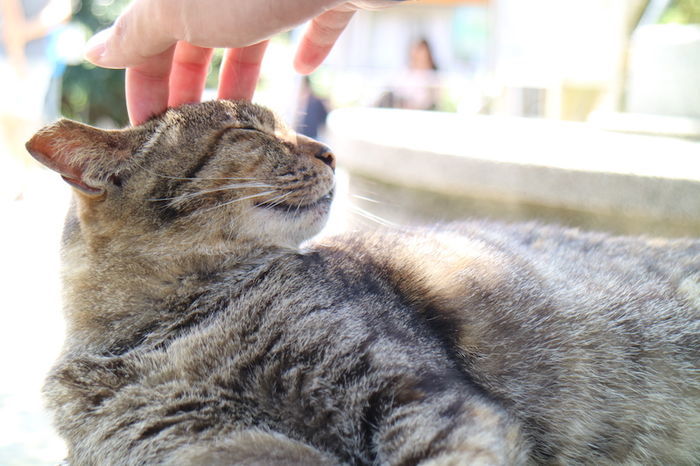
166	45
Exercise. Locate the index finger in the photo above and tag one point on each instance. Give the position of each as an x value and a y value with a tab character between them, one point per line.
147	87
188	73
240	70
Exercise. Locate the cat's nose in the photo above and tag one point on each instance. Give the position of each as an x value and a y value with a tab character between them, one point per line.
325	155
315	149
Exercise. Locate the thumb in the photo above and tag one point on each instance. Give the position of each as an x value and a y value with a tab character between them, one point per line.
144	30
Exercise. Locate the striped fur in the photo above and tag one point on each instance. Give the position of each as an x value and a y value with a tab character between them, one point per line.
199	332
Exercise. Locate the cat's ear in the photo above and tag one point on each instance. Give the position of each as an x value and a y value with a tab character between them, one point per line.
86	157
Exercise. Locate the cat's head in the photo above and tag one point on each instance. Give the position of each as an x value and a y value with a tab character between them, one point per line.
199	176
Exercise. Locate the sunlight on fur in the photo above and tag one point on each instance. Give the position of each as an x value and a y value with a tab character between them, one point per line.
200	332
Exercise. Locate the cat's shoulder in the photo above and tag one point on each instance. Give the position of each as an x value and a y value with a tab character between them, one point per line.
509	258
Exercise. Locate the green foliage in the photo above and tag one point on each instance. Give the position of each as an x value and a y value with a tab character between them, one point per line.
91	94
682	12
213	78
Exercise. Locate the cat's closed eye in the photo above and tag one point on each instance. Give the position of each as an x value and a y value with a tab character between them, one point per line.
247	128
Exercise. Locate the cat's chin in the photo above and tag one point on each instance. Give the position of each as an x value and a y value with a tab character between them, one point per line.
290	225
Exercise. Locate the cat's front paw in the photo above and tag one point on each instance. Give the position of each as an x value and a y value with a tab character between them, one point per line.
251	448
488	448
452	429
471	455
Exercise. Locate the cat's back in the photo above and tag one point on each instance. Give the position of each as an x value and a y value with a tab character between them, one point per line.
593	340
566	265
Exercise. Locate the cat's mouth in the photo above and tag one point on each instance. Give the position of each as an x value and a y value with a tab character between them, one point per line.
322	202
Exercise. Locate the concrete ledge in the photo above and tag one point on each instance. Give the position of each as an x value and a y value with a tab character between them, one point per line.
640	123
553	164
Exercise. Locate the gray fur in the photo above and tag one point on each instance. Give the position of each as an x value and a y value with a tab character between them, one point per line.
200	333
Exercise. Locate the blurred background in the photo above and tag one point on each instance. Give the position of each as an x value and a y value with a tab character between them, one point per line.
584	113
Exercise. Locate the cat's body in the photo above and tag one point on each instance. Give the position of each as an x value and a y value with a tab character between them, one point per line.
198	333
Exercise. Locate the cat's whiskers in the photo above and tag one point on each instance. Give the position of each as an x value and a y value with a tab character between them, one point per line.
373	217
297	209
228	187
365	198
271	203
275	201
252	196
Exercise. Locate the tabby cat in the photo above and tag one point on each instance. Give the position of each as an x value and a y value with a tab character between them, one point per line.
199	331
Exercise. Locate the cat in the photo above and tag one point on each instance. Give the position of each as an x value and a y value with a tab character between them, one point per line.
202	328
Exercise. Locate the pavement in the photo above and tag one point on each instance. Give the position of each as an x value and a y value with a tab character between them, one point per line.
573	167
33	202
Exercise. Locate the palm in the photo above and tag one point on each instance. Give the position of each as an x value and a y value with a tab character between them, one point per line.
177	75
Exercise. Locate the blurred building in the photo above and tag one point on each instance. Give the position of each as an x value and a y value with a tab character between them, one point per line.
560	59
373	55
543	94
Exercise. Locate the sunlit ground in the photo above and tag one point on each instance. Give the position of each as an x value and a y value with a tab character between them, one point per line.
31	328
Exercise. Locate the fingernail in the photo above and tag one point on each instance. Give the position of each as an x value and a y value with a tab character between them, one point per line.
96	47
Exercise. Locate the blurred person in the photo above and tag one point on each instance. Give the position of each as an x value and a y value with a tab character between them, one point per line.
422	78
26	71
421	56
418	88
313	111
166	46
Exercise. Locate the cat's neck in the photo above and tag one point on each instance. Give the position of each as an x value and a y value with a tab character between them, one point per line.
109	292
